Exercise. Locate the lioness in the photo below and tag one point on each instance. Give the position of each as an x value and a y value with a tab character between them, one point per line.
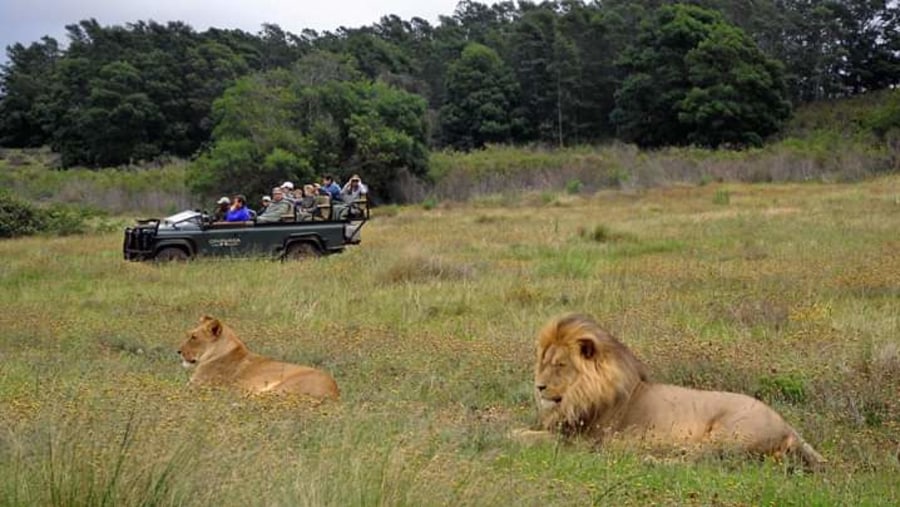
220	358
589	383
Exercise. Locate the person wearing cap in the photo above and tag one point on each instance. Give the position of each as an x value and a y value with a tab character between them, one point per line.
264	204
288	188
223	205
277	208
238	211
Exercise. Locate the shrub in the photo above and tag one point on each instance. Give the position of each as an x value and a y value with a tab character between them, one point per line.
429	203
21	218
64	220
789	388
574	186
18	217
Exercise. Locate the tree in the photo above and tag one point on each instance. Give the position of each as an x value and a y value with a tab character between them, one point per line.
120	119
871	41
279	49
256	141
294	124
597	36
738	95
386	134
481	94
693	78
545	66
119	93
23	89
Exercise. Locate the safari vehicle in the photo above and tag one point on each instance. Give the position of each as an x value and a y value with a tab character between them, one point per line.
192	234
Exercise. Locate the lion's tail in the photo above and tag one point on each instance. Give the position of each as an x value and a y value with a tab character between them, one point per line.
813	459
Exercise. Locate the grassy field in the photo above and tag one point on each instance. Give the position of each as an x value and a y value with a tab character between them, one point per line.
788	292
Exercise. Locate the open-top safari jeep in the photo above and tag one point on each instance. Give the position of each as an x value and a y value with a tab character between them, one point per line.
192	233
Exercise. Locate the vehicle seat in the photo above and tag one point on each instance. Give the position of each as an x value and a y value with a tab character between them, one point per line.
289	216
339	211
323	203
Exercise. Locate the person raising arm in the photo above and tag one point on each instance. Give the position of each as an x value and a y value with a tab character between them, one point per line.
238	211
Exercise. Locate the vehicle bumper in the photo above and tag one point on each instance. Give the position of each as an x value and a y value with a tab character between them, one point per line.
138	243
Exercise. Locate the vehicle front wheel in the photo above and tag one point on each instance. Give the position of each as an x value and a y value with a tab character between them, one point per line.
301	250
171	254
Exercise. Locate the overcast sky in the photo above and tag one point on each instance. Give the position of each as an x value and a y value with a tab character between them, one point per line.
27	21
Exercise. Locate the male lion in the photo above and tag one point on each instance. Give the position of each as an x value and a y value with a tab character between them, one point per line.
587	382
220	358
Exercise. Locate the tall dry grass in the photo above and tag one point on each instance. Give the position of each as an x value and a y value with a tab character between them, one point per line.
785	291
150	189
823	157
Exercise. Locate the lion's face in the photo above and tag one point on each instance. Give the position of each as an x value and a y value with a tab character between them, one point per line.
557	370
199	340
581	372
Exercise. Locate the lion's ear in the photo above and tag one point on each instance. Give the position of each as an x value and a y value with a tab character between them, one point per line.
206	318
587	348
215	327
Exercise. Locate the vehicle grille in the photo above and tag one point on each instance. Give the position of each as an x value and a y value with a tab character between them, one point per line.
138	243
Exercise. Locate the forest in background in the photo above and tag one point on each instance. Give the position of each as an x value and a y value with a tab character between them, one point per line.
377	99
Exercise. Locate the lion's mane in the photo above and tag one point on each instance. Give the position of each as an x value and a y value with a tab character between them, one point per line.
587	382
607	378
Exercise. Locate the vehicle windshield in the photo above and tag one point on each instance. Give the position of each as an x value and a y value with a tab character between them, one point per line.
183	217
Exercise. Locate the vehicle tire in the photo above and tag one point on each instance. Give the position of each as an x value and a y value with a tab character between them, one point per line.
171	254
301	250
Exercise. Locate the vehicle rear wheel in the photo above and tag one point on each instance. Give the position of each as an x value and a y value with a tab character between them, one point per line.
301	250
171	254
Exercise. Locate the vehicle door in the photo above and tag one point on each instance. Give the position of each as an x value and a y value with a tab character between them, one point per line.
223	240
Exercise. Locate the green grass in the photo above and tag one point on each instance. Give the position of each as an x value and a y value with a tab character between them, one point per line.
788	293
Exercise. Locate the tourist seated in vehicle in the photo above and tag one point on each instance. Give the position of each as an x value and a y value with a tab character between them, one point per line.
307	207
354	190
354	197
223	206
277	209
264	203
330	187
239	211
296	195
288	188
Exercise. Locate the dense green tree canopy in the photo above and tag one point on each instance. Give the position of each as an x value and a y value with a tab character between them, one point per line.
322	116
23	84
118	94
693	78
737	96
481	96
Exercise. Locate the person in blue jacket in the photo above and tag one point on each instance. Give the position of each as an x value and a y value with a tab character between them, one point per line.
330	188
238	211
